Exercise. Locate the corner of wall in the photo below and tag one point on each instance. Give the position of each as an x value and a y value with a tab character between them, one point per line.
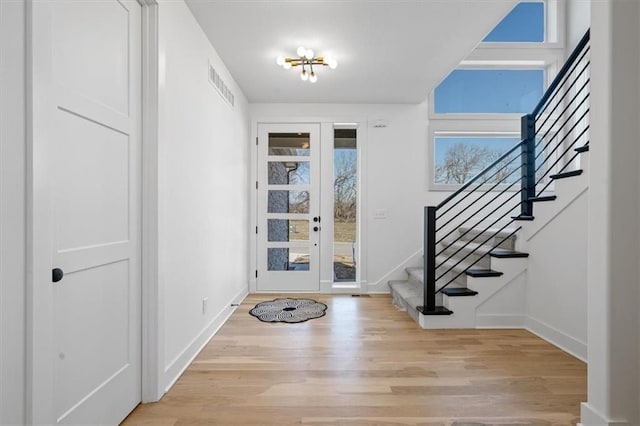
13	192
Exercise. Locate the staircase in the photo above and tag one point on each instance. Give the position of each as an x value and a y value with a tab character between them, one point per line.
471	239
472	285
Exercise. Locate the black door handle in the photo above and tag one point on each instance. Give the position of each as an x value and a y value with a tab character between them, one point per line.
56	275
316	219
316	228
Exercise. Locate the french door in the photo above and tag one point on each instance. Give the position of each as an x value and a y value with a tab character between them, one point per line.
289	222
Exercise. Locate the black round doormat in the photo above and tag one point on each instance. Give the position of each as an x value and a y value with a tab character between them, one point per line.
288	310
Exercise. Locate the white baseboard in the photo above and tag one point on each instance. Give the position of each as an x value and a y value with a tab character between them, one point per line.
175	368
591	417
500	321
558	338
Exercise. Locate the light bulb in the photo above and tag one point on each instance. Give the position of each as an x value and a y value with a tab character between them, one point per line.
280	60
313	77
333	64
287	65
301	51
304	76
308	54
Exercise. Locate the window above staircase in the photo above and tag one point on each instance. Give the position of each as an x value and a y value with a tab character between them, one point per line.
474	113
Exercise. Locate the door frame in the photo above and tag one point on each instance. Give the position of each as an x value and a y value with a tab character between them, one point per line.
327	124
38	386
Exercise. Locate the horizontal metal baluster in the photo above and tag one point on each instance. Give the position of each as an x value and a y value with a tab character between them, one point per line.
478	223
473	251
470	217
565	91
562	114
460	273
478	176
560	88
562	126
562	169
563	71
565	94
561	155
488	191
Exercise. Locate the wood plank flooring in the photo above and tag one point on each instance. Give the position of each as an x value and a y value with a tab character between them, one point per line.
365	363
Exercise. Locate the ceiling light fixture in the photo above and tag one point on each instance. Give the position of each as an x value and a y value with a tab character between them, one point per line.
306	60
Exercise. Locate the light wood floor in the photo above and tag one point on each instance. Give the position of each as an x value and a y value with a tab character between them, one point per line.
365	363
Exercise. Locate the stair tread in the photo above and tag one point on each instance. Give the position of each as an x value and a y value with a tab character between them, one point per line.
477	272
406	289
480	249
584	148
450	264
471	246
543	198
506	254
523	217
564	175
458	292
499	233
440	310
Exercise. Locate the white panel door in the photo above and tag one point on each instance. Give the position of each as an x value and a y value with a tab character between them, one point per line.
288	207
86	208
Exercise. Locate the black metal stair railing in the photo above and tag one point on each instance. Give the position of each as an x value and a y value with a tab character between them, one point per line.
483	213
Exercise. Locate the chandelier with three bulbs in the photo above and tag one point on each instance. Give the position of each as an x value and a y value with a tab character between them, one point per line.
306	60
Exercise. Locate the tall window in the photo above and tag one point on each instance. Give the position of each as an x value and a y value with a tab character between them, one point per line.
345	204
474	113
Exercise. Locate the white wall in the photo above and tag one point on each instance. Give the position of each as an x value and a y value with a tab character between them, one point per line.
578	21
203	187
12	211
557	279
614	208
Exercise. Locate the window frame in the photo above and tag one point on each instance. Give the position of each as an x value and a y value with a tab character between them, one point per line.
547	55
554	34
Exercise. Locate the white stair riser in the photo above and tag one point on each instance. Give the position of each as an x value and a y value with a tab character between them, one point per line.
464	308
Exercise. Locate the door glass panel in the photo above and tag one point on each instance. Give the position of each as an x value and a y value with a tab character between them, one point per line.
282	201
345	198
288	259
296	144
285	230
289	173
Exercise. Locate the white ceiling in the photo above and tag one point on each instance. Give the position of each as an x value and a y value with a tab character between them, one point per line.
389	51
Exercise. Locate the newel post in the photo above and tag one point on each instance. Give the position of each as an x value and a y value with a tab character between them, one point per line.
528	170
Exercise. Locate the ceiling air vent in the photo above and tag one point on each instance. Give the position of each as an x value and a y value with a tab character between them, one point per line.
221	87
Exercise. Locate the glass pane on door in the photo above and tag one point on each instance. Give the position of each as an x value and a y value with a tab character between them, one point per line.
288	259
294	144
283	201
285	230
289	173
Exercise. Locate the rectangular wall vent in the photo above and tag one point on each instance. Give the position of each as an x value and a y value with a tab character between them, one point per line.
220	85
